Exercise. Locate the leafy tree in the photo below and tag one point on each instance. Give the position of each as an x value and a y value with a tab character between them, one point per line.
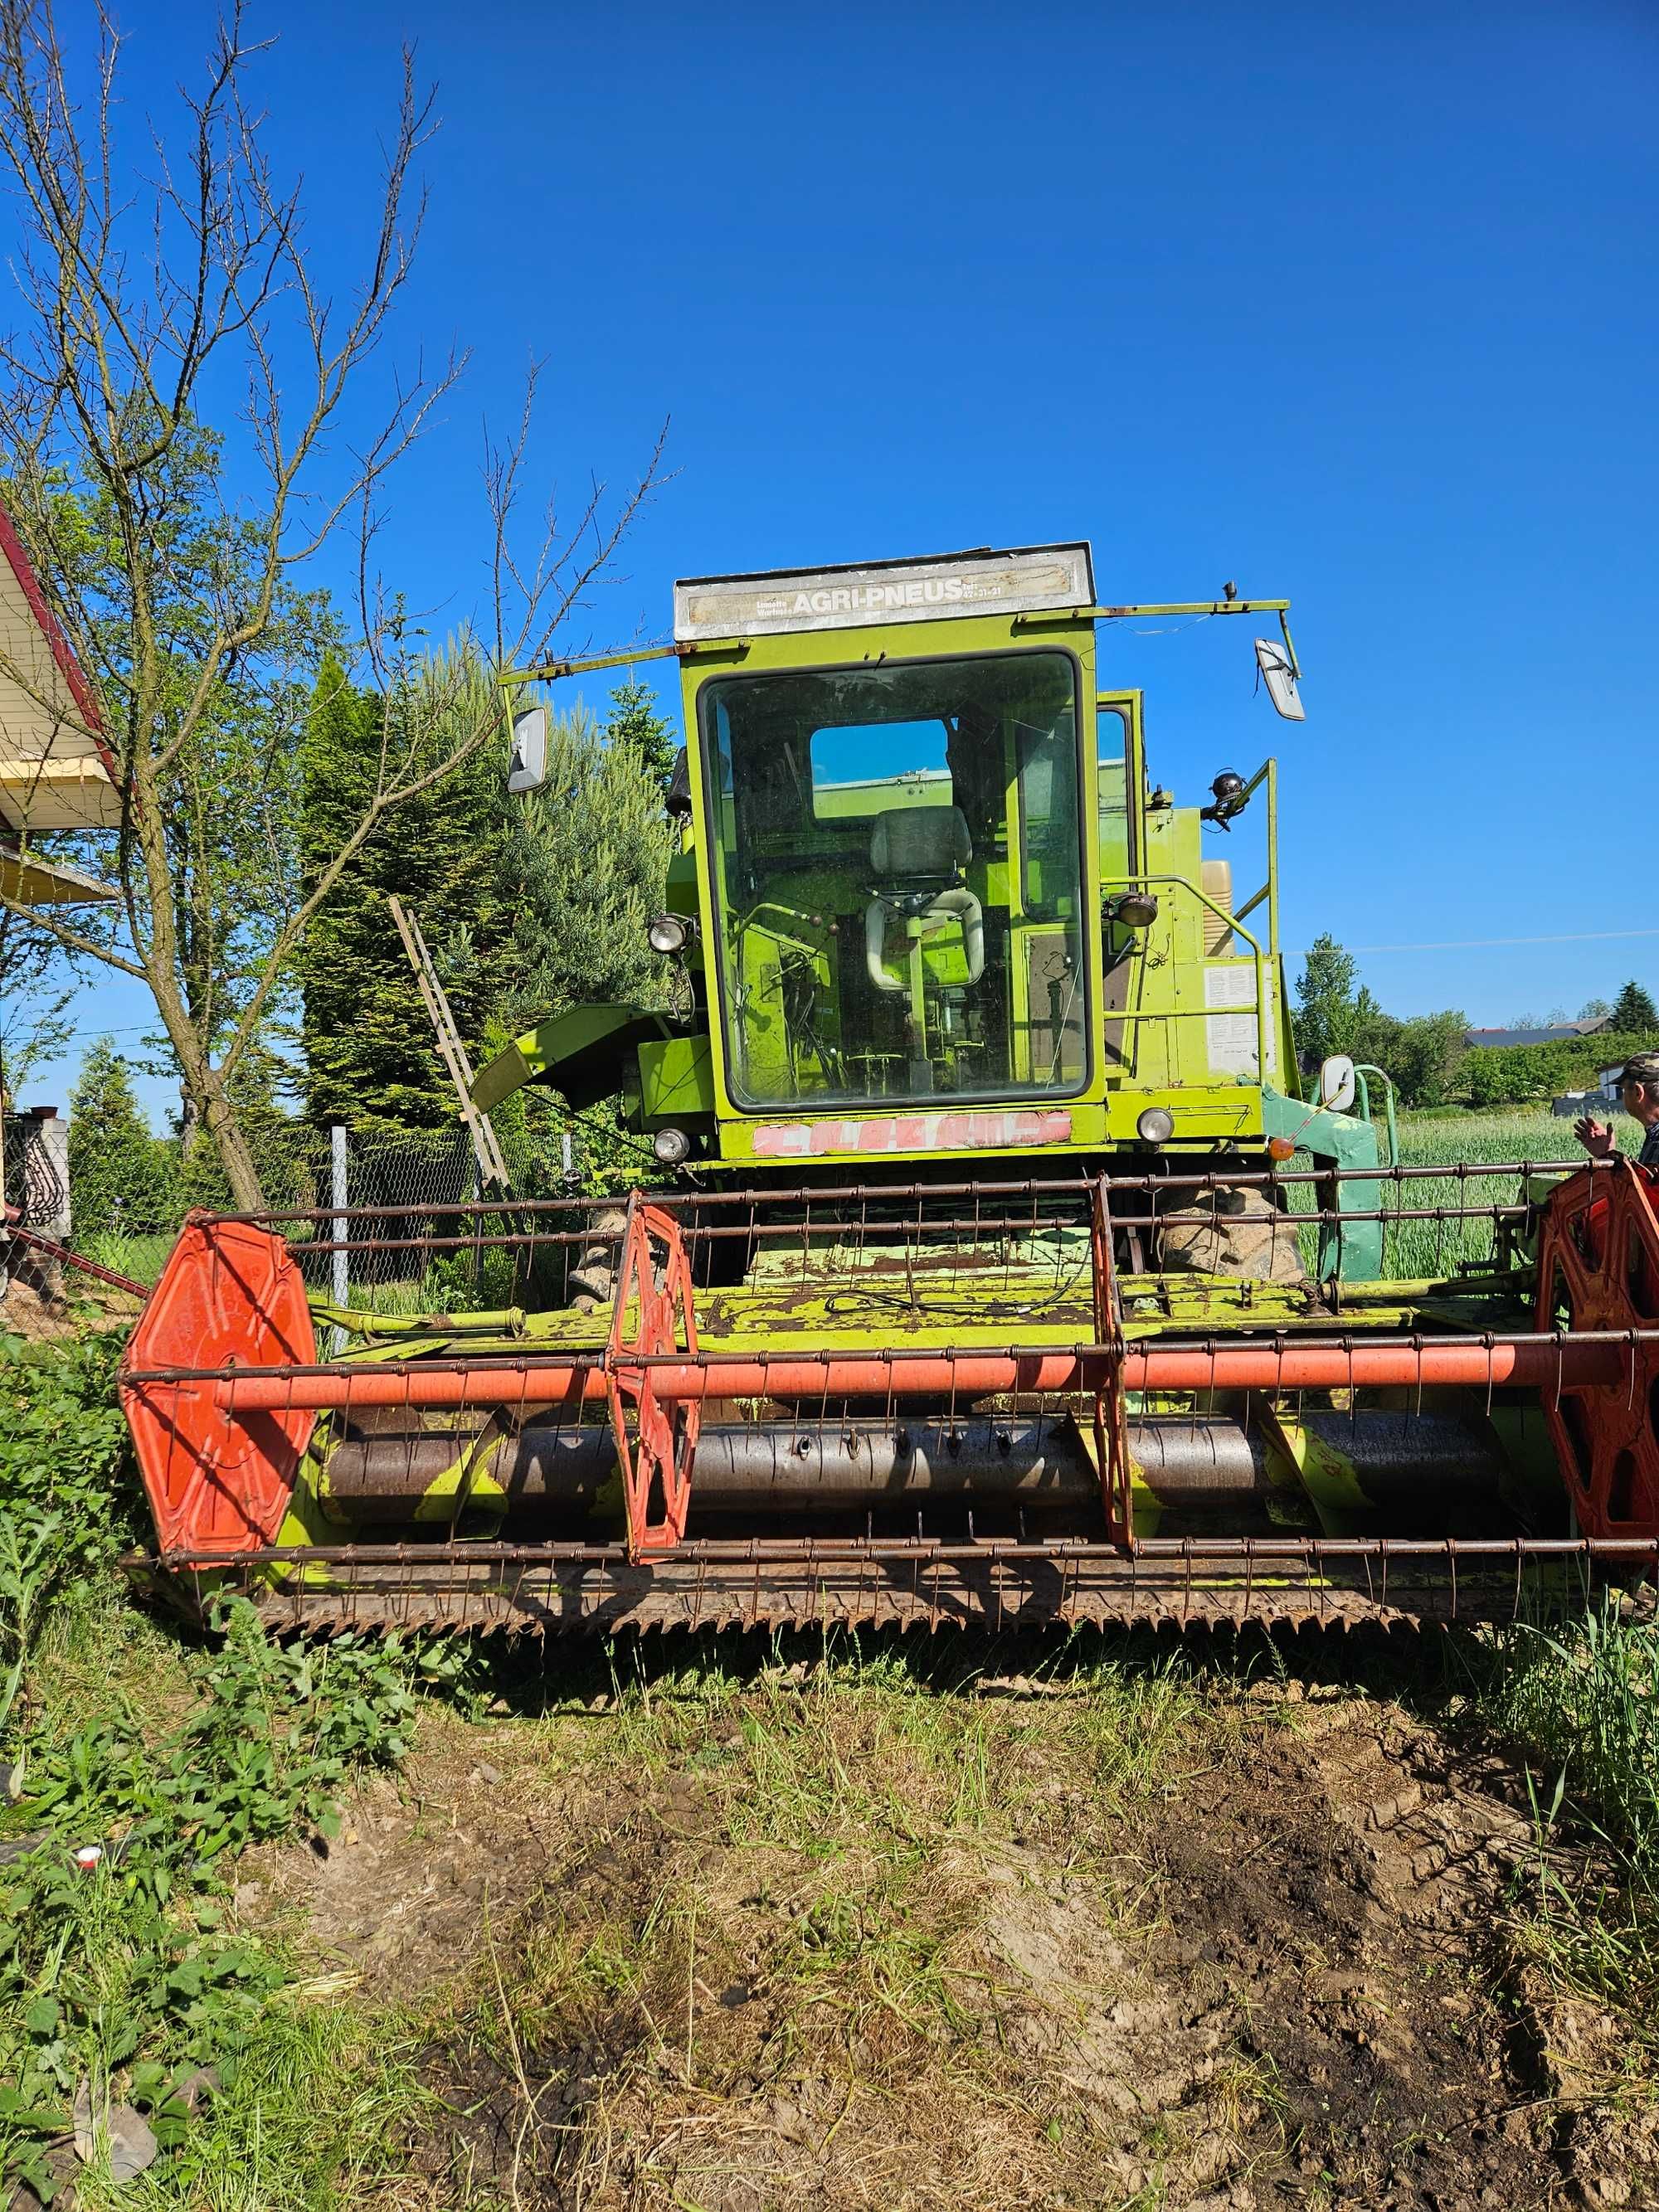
1634	1009
1325	1005
1500	1075
1510	1075
1421	1055
226	795
175	558
1427	1057
1594	1009
119	1176
288	1153
527	904
37	984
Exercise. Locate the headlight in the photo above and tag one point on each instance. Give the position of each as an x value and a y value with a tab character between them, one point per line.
1155	1125
669	932
1135	910
670	1147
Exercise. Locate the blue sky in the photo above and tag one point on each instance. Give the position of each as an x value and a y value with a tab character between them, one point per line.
1354	305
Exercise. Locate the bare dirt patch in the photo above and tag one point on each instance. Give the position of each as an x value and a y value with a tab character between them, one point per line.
429	1867
846	1945
36	1305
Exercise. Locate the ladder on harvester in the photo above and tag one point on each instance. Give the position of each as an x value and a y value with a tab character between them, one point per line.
486	1146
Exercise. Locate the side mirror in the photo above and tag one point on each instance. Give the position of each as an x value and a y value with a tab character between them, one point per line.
529	763
1337	1083
1278	674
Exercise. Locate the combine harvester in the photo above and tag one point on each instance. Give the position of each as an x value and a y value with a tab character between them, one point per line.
992	1267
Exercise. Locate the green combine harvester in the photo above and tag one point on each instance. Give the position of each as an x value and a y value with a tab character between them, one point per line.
927	901
997	1260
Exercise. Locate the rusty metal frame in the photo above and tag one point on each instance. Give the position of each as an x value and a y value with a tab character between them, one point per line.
817	1582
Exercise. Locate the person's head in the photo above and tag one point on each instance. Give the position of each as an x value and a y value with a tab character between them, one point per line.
1639	1087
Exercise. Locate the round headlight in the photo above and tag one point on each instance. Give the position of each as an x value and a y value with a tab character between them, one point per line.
1136	910
1155	1125
670	1147
669	932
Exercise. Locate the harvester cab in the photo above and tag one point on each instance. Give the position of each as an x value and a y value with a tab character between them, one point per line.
992	1260
930	908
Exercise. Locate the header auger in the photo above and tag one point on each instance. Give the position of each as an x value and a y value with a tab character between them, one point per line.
997	1271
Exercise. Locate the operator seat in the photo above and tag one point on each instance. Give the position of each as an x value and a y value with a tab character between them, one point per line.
917	854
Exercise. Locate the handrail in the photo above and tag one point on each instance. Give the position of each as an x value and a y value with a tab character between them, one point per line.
1130	883
1267	773
1362	1068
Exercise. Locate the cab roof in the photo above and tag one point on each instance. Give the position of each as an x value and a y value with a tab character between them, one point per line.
935	586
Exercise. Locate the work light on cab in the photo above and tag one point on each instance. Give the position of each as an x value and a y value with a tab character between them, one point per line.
669	933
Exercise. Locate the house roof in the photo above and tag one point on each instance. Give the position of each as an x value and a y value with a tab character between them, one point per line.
56	770
33	881
1552	1035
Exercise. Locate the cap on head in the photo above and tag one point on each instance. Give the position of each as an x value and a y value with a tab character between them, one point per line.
1642	1069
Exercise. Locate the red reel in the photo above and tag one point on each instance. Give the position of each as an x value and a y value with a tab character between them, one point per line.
654	1283
1598	1268
229	1297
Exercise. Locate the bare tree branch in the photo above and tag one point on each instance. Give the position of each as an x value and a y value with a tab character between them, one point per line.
72	940
183	599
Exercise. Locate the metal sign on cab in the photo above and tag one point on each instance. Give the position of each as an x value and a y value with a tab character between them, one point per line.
1028	580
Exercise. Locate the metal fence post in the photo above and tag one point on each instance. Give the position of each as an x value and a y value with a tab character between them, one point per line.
339	1198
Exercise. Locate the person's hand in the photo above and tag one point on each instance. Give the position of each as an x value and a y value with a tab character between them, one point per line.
1596	1138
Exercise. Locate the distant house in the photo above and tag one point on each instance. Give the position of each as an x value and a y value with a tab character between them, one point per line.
1561	1032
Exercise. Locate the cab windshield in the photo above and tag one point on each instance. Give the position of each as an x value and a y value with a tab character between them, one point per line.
898	866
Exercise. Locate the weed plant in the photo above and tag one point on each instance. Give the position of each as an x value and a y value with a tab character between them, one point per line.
123	1977
1583	1702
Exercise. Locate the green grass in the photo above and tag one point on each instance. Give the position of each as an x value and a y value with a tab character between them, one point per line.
1435	1141
1499	1144
1582	1705
140	1258
320	2113
1588	1700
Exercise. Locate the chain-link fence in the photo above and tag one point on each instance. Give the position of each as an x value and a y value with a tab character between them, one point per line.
306	1172
424	1232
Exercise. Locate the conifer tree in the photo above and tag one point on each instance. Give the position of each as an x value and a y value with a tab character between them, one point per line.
589	853
1633	1009
634	720
371	1059
119	1176
527	904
